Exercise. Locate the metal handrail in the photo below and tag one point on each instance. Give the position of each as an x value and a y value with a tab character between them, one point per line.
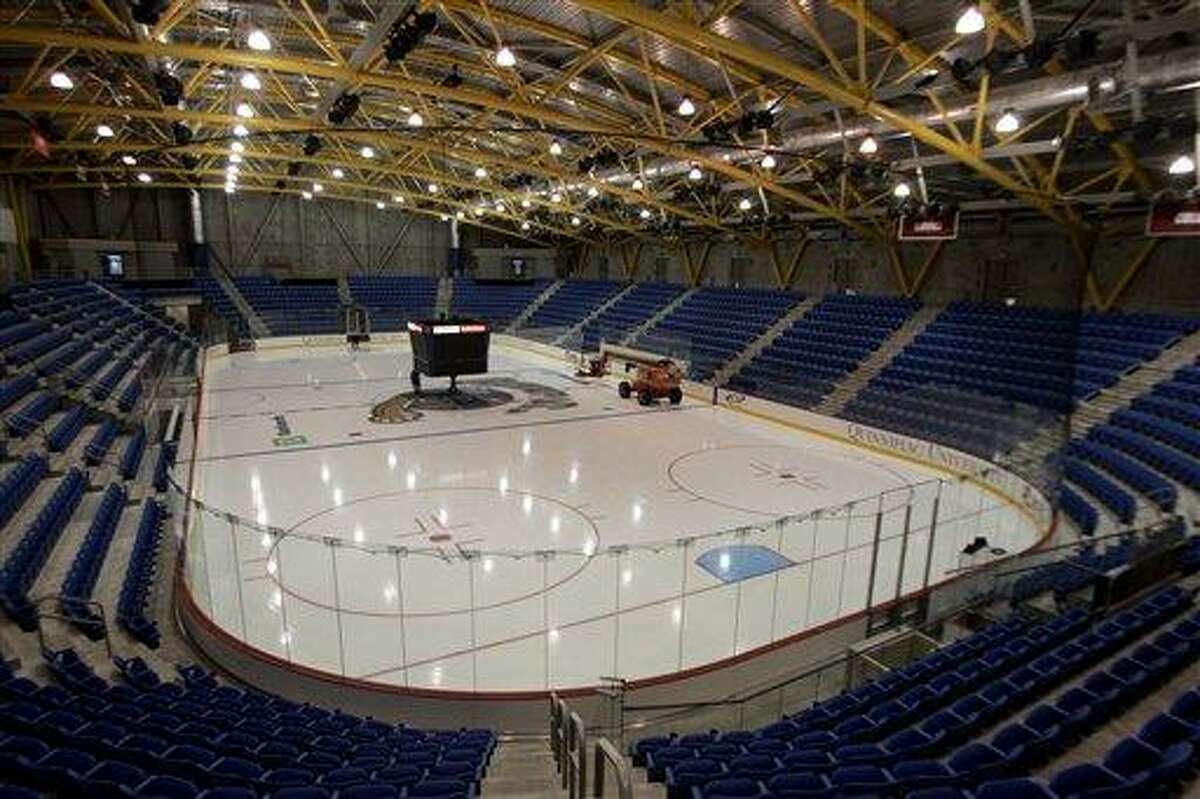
558	709
575	774
57	615
604	750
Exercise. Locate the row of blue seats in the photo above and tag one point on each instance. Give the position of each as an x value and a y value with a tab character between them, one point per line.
30	416
895	768
571	303
61	358
89	558
25	562
1144	480
1179	435
1078	510
133	605
81	372
1067	575
109	380
19	482
14	334
131	458
629	312
13	389
97	449
68	428
1166	407
1165	459
1111	495
130	394
31	350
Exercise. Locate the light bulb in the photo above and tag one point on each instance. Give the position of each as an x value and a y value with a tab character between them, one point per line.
525	203
143	177
555	148
338	173
969	21
695	174
306	195
380	204
576	221
505	58
250	81
460	215
686	107
744	204
398	199
128	160
234	158
317	188
500	207
367	152
593	191
768	162
1008	123
480	172
61	80
645	213
555	197
230	188
232	169
432	188
104	131
901	191
415	120
244	110
258	40
524	226
237	147
1183	165
241	131
868	146
637	184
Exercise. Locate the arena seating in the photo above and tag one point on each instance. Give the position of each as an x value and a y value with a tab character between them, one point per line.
153	738
294	308
628	313
930	724
392	300
823	346
85	568
716	323
133	604
498	303
216	298
573	301
19	482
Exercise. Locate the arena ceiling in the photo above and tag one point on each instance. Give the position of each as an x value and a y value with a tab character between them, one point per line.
559	120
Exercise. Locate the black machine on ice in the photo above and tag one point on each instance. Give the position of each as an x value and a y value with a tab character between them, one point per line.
448	348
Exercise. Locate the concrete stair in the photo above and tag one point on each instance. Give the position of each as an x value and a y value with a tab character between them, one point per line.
523	767
445	296
662	313
257	326
783	323
572	334
848	387
538	301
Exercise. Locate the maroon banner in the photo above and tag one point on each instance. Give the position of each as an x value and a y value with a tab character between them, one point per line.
1174	218
929	226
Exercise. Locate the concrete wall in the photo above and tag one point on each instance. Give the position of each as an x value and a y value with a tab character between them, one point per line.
993	259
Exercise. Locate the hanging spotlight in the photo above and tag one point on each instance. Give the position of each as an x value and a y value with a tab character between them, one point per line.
104	132
1183	165
637	184
415	120
555	148
576	221
237	147
244	110
505	58
317	188
338	173
250	81
241	131
695	174
128	160
645	213
744	204
480	172
258	40
525	203
61	80
524	226
367	152
768	162
902	191
1008	123
306	194
970	21
500	207
407	33
432	188
686	107
144	177
380	204
868	146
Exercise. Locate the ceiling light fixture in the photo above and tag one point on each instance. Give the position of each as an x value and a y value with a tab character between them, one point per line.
555	197
250	81
686	107
1183	165
745	203
524	226
768	162
868	146
505	58
432	188
902	191
237	147
306	195
61	80
104	132
525	202
415	120
970	21
695	174
241	131
555	148
593	191
1008	123
645	213
380	204
338	173
637	184
480	172
576	221
128	160
144	177
258	40
244	110
234	158
317	188
398	199
367	152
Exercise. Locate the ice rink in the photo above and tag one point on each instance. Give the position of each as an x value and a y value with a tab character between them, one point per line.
544	535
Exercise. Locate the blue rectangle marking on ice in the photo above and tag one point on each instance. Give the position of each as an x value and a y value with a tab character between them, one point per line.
732	564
